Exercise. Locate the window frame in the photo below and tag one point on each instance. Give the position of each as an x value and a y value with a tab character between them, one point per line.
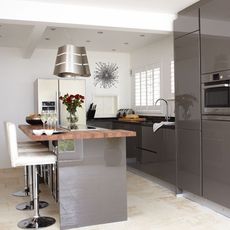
147	109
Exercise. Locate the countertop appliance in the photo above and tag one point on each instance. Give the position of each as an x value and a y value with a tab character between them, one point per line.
124	112
216	93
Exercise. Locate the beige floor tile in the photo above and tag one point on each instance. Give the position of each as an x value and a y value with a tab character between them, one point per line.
150	207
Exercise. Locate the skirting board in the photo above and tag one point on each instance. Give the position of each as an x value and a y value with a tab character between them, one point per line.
207	203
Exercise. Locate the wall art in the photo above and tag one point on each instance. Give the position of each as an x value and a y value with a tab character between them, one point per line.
106	75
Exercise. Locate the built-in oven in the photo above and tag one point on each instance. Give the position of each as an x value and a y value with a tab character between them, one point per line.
216	93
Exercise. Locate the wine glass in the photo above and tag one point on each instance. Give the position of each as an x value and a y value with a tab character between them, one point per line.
52	119
44	118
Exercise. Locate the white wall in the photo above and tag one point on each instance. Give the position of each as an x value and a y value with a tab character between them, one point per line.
17	76
122	89
160	51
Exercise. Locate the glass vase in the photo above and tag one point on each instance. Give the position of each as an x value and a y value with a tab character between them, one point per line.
72	120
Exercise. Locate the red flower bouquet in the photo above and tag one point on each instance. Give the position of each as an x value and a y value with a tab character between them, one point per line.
72	102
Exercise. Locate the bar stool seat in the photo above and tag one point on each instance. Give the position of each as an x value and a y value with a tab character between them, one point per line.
29	159
35	158
28	146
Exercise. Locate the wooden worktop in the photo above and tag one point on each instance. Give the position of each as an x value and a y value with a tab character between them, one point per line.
87	134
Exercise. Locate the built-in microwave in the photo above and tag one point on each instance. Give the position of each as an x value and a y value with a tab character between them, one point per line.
216	93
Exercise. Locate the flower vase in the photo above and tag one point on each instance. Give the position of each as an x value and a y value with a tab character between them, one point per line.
72	119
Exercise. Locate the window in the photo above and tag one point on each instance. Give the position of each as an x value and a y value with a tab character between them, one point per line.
146	87
172	78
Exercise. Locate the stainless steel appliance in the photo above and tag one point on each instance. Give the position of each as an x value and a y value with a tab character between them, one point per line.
124	112
216	93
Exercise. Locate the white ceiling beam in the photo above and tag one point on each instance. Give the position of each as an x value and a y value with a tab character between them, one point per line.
65	14
33	40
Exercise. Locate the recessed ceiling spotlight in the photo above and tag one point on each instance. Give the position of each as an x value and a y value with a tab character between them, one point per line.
88	41
100	32
47	39
114	50
53	28
126	43
142	35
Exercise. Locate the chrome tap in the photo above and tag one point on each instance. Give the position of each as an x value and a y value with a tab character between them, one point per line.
167	107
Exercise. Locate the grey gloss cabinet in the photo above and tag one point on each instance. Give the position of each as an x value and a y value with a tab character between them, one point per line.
189	160
215	36
216	161
158	154
132	143
188	112
187	82
187	22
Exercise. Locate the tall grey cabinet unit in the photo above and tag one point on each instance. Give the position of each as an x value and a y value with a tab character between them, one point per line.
188	105
215	53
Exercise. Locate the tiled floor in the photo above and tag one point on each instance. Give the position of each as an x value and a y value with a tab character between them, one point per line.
150	207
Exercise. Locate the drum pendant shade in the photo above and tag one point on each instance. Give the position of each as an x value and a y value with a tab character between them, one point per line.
71	61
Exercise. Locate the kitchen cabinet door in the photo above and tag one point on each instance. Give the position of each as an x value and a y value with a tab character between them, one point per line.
216	161
189	160
158	154
187	21
187	82
167	158
151	141
215	36
132	143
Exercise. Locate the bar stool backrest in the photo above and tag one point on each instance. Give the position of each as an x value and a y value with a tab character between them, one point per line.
11	138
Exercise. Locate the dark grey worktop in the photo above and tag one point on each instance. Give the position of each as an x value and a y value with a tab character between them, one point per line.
149	121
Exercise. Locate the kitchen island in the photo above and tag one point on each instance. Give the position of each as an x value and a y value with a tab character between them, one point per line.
91	176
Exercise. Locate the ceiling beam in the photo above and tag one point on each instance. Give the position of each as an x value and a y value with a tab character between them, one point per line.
33	40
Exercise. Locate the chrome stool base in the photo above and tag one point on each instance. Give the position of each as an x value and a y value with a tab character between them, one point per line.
39	222
27	206
23	193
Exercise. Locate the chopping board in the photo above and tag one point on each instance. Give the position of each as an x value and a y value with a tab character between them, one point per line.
132	119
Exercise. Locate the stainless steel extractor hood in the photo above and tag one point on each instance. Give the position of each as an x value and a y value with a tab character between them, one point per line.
71	61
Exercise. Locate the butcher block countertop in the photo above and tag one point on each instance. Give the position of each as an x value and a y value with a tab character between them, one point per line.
78	134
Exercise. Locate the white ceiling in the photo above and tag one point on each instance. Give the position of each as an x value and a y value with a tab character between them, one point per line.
160	6
31	29
13	35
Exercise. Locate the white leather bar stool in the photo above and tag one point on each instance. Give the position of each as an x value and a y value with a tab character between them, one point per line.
27	146
29	159
24	148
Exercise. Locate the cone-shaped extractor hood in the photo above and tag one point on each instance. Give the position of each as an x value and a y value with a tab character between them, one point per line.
71	61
